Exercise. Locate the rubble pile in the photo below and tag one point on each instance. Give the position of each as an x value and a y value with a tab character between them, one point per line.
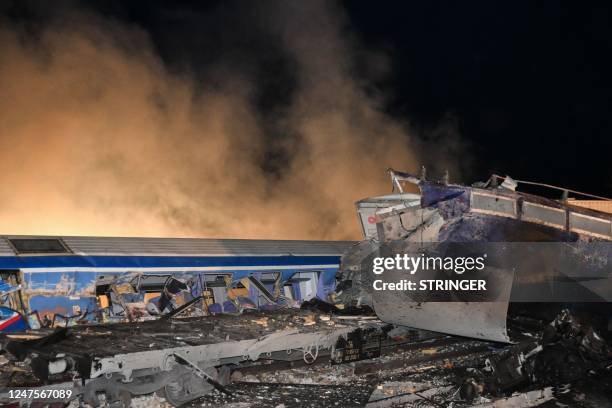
565	363
564	351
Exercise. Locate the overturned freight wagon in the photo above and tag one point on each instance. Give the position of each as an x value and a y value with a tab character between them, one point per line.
512	248
51	281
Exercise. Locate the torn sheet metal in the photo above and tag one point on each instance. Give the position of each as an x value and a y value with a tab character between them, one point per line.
485	320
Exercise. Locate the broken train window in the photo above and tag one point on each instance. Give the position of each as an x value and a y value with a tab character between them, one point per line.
38	245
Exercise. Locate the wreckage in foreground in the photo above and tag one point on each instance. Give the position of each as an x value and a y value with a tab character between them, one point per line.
182	359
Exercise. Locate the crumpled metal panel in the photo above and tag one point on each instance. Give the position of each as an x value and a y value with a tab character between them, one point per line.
481	320
475	314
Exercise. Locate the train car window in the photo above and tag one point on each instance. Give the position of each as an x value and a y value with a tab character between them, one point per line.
38	245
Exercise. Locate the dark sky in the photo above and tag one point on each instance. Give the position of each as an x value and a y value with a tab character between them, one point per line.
528	83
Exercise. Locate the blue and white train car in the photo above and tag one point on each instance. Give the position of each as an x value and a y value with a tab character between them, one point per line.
60	276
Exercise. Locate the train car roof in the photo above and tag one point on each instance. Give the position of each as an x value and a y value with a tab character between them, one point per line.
25	245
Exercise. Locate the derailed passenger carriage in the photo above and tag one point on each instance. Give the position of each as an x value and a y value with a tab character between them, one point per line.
132	316
51	281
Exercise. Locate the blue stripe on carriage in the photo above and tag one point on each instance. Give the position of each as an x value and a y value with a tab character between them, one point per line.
115	261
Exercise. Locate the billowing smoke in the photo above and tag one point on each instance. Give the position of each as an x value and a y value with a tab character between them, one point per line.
99	137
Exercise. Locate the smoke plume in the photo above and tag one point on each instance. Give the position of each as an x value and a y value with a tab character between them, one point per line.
99	137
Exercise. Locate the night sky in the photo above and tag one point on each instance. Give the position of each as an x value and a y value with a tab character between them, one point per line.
527	84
